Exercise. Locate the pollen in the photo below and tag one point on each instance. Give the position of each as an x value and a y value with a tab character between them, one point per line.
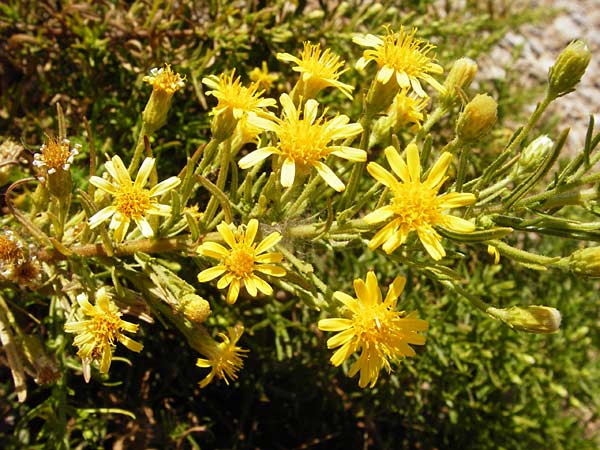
133	202
304	142
416	205
240	261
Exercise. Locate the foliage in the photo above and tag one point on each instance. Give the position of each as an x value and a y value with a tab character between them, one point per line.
74	76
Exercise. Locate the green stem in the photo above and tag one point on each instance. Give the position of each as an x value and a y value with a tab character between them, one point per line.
137	153
359	167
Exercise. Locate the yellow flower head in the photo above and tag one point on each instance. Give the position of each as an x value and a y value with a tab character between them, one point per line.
131	202
374	328
225	358
262	76
305	141
407	109
415	205
96	335
241	262
403	56
164	80
318	70
234	102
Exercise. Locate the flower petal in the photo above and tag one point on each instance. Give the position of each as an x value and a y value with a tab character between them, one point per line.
330	178
414	162
255	157
251	230
144	173
211	273
397	164
288	172
267	243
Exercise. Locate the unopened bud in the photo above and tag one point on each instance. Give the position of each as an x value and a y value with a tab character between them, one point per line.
568	69
534	153
532	319
477	119
195	308
380	96
585	262
460	77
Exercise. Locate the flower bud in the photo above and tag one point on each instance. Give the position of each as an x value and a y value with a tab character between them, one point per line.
460	77
380	96
532	319
477	119
195	308
585	262
534	153
568	69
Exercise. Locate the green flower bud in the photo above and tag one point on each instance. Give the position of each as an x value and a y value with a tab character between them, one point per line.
585	262
460	77
533	154
532	319
380	96
477	119
568	69
195	308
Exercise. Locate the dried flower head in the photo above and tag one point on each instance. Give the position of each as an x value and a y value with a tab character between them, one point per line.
415	205
305	141
96	335
11	248
164	84
54	156
240	263
224	358
131	201
374	328
402	56
318	69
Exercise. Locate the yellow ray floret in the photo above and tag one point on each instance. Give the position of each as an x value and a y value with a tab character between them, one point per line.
415	205
305	141
240	263
374	328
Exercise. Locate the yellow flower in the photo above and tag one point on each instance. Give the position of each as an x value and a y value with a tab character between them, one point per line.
131	200
225	358
403	56
165	80
95	336
318	70
305	142
415	204
407	109
374	328
262	76
241	262
234	101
